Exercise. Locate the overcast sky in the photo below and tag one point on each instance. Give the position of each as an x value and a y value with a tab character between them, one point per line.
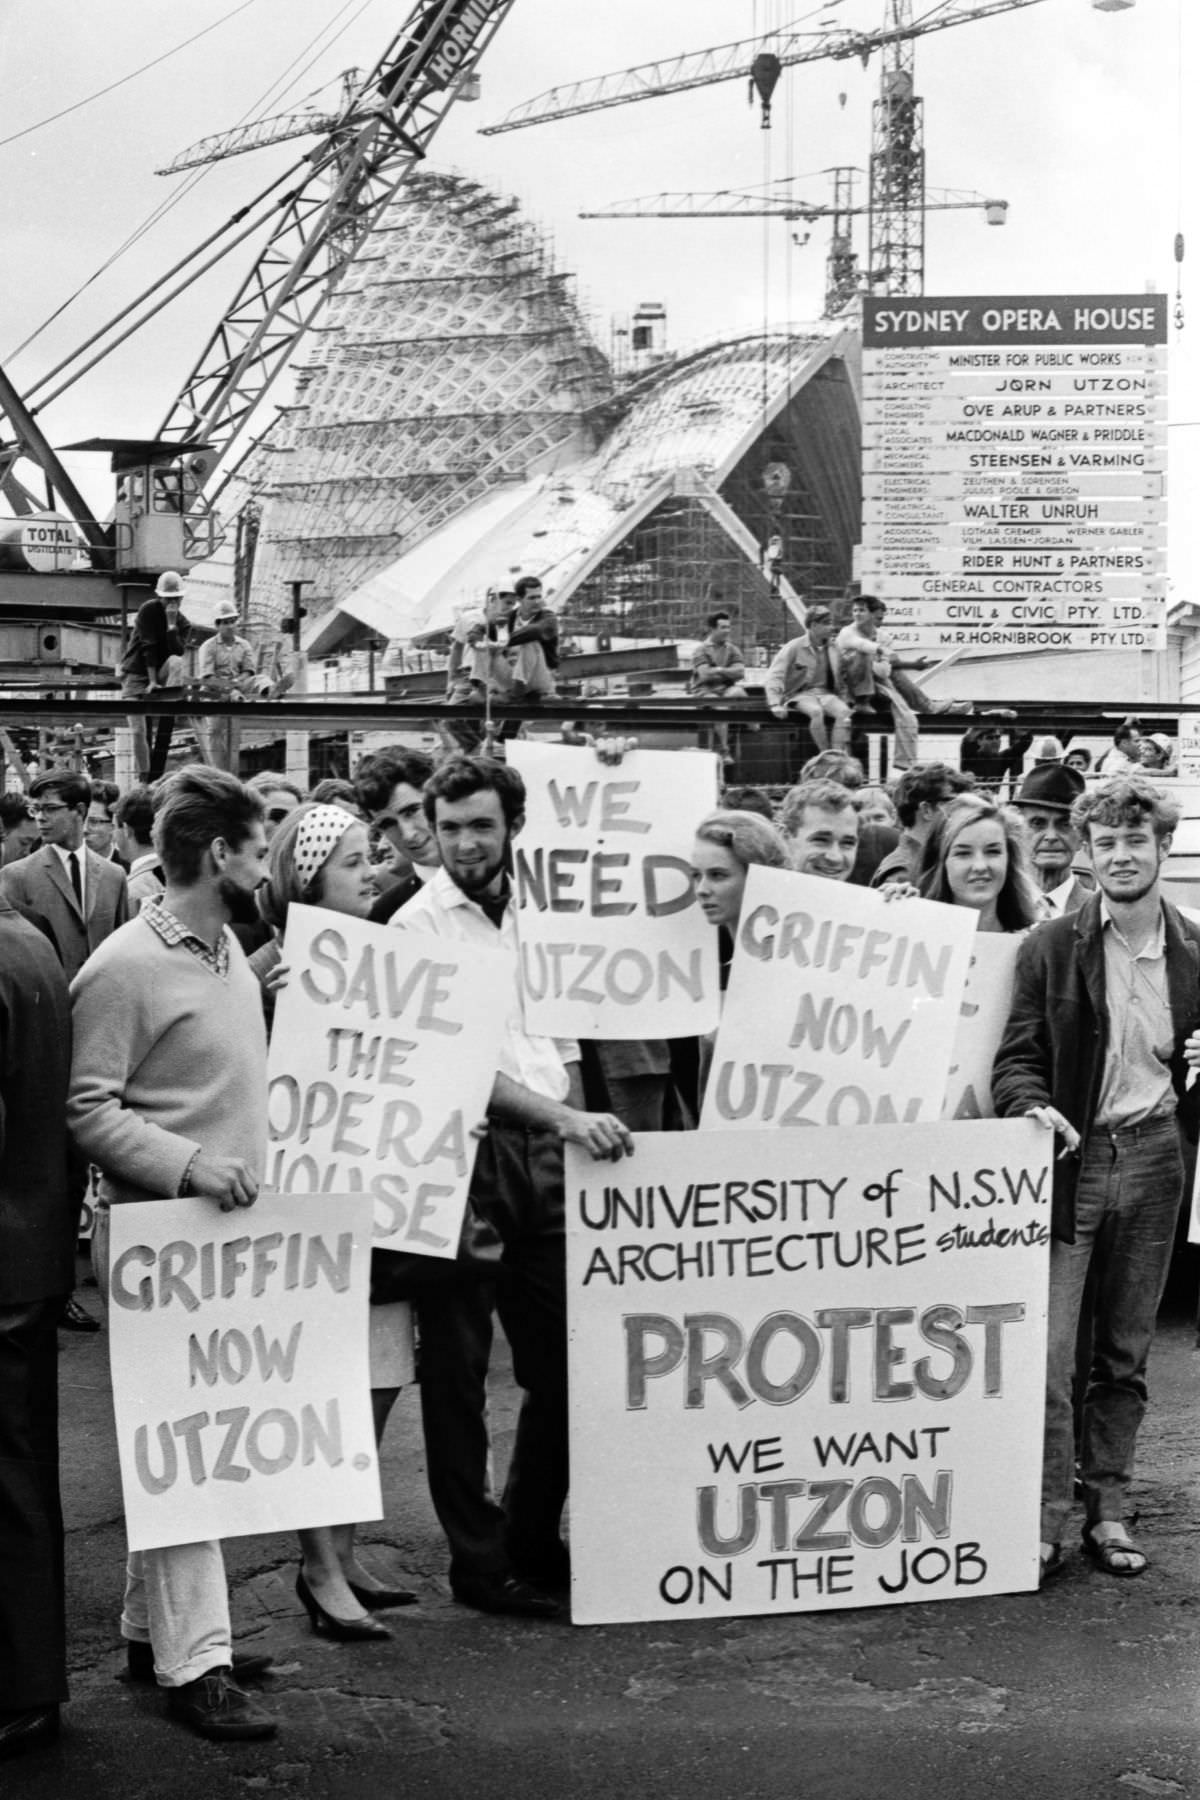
1072	115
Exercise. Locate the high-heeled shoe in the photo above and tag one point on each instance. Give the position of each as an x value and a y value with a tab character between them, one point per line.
345	1630
380	1599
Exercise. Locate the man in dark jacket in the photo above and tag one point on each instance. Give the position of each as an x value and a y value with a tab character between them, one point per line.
1097	1048
533	643
154	658
83	896
38	1219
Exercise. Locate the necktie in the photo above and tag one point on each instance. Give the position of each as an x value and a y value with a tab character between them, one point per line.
76	879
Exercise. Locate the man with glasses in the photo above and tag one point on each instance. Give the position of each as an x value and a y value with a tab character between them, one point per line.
921	795
99	827
80	894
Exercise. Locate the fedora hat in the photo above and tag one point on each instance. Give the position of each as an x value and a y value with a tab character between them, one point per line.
1053	785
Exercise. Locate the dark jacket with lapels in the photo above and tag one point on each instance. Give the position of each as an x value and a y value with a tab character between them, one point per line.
1053	1049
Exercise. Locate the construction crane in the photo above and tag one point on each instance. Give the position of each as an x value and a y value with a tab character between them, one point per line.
897	204
315	216
309	222
733	62
384	131
258	134
843	279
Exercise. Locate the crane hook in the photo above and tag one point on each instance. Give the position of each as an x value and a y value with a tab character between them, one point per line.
765	71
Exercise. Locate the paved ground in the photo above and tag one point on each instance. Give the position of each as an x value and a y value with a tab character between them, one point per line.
1086	1692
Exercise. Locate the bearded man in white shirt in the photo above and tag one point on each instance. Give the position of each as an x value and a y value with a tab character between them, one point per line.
508	1558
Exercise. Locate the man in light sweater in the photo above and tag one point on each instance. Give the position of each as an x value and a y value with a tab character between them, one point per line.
169	1097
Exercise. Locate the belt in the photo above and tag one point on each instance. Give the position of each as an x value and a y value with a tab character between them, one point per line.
1129	1134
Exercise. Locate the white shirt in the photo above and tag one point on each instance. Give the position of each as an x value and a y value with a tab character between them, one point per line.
442	909
1136	1084
80	856
1056	898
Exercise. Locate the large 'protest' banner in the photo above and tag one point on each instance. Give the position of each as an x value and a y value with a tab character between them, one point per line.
842	1007
806	1372
981	1023
383	1056
613	944
239	1366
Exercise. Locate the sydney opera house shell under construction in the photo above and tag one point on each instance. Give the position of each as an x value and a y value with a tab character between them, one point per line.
456	425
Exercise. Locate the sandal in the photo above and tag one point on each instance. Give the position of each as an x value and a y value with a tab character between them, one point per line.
1051	1561
1105	1552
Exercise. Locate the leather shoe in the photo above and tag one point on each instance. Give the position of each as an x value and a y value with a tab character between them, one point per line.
75	1317
551	1571
346	1631
247	1666
380	1599
215	1708
28	1730
504	1594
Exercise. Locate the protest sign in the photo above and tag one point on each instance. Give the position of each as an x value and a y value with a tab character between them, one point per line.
981	1025
806	1373
239	1366
613	944
842	1007
383	1056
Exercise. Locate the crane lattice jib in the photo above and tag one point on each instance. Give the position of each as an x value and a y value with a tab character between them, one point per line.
257	135
896	178
354	173
726	62
742	203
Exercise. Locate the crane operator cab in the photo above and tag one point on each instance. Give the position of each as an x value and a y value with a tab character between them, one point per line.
161	519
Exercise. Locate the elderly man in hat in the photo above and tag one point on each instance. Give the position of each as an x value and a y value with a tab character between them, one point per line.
227	671
1048	793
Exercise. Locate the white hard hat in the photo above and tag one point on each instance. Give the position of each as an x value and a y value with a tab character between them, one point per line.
169	586
225	610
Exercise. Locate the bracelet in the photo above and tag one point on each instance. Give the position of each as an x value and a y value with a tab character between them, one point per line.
185	1185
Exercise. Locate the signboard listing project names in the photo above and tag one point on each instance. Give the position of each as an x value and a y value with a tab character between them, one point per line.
1014	455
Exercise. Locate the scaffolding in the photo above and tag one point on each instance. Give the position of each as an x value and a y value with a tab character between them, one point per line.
760	436
455	363
452	358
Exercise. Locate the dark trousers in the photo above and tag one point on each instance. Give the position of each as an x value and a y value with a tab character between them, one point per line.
1126	1205
33	1655
518	1188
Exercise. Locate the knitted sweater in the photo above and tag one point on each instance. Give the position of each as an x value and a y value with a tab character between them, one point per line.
168	1059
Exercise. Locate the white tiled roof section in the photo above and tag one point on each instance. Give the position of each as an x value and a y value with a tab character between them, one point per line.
699	413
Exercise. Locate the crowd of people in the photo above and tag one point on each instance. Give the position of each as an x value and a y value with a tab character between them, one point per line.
143	937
